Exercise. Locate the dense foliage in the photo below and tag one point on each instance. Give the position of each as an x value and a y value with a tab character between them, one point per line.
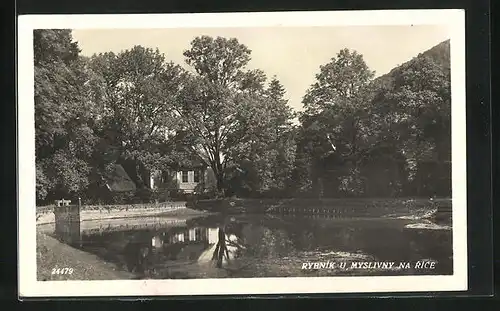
390	136
358	136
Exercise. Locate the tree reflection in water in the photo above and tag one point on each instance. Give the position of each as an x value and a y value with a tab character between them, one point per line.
136	256
221	248
251	246
229	243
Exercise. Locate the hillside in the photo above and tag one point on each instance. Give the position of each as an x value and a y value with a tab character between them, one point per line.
439	53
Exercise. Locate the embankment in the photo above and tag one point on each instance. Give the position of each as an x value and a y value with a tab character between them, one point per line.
346	207
45	214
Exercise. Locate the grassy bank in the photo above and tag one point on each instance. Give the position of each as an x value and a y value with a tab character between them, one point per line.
52	254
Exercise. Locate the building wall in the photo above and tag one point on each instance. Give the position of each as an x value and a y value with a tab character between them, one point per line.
157	180
199	234
206	180
190	184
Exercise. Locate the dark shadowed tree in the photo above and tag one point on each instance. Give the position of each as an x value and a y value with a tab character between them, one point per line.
282	151
414	116
63	114
332	121
388	137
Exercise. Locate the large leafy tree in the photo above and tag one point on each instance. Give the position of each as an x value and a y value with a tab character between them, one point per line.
387	136
63	115
332	121
267	158
414	116
224	107
135	90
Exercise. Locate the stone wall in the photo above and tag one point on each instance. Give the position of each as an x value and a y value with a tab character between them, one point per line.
46	215
140	206
67	223
358	207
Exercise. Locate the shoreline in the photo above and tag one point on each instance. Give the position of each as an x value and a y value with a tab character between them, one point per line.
48	217
53	254
372	207
79	265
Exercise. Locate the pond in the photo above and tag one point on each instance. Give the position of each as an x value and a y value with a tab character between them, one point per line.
241	246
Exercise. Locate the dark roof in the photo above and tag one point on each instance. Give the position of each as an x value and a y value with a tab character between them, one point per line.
118	180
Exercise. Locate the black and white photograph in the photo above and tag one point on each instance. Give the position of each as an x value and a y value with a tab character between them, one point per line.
242	153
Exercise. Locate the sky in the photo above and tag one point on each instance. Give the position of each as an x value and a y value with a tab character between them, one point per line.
292	54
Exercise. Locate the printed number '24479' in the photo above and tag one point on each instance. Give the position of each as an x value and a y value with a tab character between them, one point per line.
62	271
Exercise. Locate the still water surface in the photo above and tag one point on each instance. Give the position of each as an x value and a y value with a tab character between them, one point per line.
270	246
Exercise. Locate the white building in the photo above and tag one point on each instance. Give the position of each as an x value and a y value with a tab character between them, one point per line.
187	180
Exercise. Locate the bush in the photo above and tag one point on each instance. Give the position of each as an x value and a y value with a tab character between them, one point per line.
146	195
122	197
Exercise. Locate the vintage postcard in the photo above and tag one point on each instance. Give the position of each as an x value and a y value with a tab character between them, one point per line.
242	153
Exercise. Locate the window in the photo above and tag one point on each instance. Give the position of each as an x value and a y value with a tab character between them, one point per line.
184	176
197	174
164	177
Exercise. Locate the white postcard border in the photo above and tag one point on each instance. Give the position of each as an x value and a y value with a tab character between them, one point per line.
30	287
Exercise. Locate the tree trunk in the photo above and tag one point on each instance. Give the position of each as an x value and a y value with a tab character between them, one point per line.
316	179
219	177
220	183
221	248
